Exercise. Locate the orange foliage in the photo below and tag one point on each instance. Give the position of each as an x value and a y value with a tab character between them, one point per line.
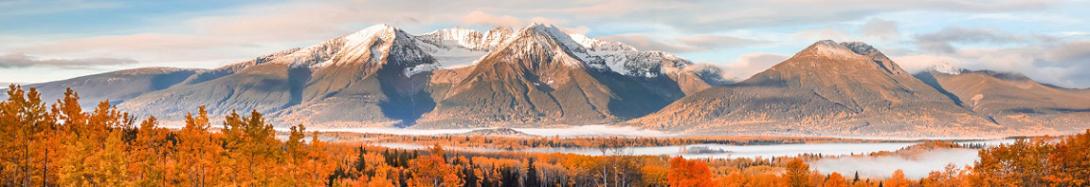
63	145
433	170
689	173
835	180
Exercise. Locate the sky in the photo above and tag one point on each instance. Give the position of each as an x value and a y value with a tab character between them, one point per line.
1047	40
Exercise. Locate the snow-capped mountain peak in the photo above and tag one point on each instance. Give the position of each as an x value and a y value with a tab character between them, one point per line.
553	33
600	45
946	68
860	48
382	31
541	39
457	47
829	48
468	38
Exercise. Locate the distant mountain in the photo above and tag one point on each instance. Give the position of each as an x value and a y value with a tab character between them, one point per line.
828	88
1015	100
118	86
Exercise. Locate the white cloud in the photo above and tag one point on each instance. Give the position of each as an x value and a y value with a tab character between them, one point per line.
1064	64
880	29
920	63
943	40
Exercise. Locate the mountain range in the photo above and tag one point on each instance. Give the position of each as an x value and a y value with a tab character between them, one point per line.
538	76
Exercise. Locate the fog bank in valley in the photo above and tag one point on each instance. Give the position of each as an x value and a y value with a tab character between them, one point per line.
914	166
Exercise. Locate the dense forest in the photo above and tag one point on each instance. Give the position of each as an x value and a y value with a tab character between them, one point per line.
63	145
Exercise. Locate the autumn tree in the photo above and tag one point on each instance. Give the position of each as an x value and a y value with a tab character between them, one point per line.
24	121
798	173
688	173
1018	164
950	176
252	146
198	151
433	170
897	180
1070	161
835	180
150	151
531	174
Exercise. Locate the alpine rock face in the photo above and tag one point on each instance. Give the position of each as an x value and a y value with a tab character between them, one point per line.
828	88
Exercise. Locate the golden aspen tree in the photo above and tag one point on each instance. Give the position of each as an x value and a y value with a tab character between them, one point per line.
433	170
835	180
798	173
110	162
897	180
197	151
1071	161
689	173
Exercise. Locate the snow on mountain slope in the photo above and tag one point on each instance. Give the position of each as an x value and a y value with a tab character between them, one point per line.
457	47
460	47
543	77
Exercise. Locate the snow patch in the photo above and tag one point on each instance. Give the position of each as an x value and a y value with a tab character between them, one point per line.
946	68
467	38
585	41
830	48
421	68
368	34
